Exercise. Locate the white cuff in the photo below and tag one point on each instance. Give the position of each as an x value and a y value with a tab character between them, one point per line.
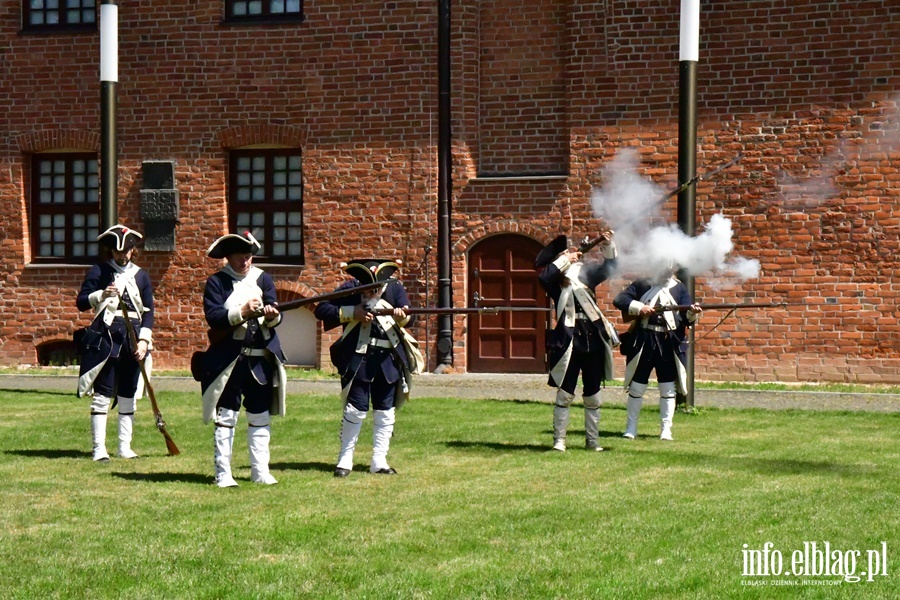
234	315
562	263
610	251
273	322
635	307
692	316
96	298
347	313
146	334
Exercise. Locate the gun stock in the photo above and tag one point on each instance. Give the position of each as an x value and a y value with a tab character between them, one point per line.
218	335
160	422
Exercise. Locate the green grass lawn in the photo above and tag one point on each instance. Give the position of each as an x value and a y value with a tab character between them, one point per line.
480	509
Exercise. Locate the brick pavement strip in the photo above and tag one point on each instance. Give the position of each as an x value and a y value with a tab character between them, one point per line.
520	387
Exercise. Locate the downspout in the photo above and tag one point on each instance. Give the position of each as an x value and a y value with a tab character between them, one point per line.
445	163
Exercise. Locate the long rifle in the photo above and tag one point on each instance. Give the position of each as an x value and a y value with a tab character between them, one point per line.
724	306
588	244
217	335
160	423
481	310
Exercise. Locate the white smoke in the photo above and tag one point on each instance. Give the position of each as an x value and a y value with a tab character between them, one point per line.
629	204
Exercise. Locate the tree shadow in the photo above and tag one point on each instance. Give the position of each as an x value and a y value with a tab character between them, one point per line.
49	453
166	477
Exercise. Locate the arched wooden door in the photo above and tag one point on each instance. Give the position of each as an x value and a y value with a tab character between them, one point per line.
501	272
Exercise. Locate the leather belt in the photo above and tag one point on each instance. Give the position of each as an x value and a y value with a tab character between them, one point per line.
131	315
380	343
581	315
656	328
253	351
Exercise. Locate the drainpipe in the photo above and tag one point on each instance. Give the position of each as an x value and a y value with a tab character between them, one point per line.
445	163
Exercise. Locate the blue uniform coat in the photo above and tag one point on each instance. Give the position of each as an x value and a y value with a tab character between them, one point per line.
107	336
348	352
223	312
640	338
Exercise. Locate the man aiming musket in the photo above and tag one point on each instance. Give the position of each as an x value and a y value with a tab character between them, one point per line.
583	339
656	341
374	355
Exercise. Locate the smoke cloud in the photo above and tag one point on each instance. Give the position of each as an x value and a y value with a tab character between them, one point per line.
630	204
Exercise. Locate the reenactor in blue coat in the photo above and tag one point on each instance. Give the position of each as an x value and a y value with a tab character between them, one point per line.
244	363
656	341
109	362
375	357
583	339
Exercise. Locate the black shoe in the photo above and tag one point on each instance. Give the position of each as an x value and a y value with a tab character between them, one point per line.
388	471
339	472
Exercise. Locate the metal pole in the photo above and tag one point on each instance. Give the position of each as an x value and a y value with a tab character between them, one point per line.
445	322
687	150
109	77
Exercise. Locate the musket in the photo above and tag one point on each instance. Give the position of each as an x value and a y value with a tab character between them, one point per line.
724	306
479	310
160	422
588	243
699	178
217	335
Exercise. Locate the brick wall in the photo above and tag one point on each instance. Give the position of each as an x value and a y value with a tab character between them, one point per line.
806	90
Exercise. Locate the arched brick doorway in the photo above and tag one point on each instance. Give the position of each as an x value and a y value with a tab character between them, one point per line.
501	272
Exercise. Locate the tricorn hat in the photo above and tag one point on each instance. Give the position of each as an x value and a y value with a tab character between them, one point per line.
371	270
119	237
234	243
546	256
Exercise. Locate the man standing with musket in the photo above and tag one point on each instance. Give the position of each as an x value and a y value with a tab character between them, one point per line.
109	363
245	361
655	340
583	339
374	355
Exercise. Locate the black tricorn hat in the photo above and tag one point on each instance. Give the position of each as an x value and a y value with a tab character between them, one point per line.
234	243
559	244
119	237
371	270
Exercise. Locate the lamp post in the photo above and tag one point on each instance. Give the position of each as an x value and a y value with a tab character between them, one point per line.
689	51
109	77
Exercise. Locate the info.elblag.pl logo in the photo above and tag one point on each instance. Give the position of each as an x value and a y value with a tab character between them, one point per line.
819	560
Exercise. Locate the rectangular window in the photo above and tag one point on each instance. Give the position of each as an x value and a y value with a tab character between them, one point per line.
250	11
266	198
59	14
65	207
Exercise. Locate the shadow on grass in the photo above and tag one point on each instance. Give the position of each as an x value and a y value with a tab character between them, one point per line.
48	453
768	466
505	446
38	391
166	477
301	466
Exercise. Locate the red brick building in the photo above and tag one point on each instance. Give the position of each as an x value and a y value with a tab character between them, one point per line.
316	125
